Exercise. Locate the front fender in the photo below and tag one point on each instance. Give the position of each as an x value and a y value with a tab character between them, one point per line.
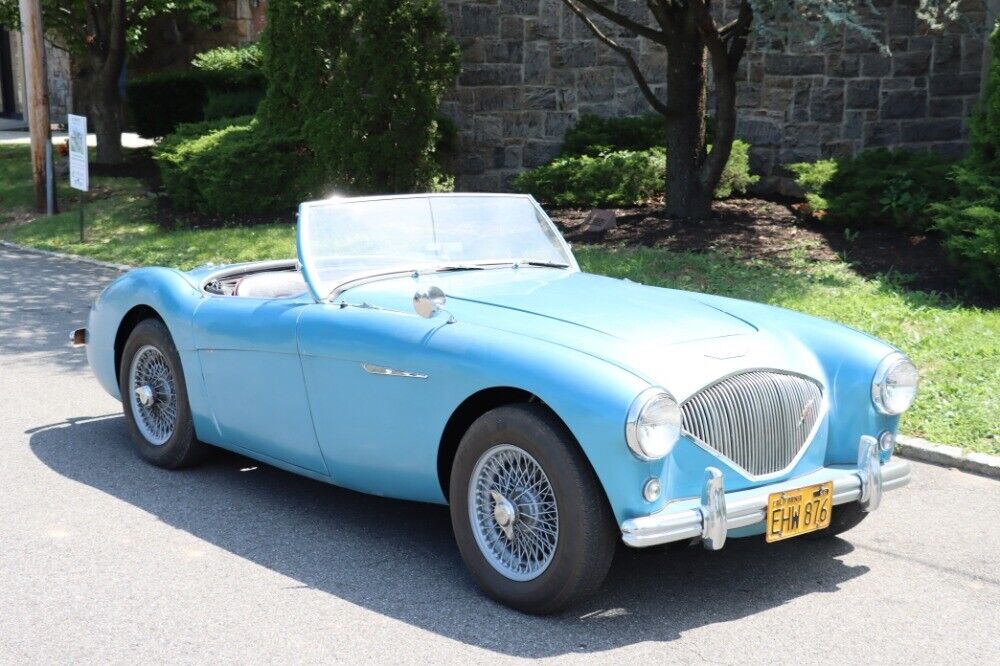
849	359
170	293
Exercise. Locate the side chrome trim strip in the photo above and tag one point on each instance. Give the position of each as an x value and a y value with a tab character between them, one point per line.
373	369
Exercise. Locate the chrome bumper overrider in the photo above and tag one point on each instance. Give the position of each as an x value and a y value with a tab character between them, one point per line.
717	512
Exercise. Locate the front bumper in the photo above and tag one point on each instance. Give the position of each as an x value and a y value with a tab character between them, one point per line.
710	518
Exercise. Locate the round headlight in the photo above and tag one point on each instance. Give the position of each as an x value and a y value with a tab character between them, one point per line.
894	387
653	425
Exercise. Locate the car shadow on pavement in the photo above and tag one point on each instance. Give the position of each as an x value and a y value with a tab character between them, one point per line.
399	558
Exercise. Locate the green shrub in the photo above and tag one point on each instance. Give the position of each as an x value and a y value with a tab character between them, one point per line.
878	187
620	178
594	135
736	177
812	177
365	93
229	59
159	102
232	167
970	221
231	103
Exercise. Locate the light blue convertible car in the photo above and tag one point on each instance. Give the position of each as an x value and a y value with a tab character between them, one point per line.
447	348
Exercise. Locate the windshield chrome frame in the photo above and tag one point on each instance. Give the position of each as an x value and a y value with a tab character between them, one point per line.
364	277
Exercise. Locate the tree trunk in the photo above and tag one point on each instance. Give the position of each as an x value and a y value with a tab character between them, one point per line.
105	114
687	196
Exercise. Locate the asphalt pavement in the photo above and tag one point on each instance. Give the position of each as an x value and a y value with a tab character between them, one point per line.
104	558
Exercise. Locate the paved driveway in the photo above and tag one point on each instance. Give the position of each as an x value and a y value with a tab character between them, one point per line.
104	558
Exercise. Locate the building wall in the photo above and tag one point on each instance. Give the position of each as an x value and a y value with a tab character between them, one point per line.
531	68
57	64
60	84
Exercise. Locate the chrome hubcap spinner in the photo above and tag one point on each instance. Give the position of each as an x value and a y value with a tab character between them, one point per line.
513	512
153	396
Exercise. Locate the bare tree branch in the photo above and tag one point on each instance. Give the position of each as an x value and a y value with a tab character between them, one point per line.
723	73
622	20
737	38
659	8
633	66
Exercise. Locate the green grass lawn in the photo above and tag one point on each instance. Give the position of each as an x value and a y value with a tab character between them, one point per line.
957	348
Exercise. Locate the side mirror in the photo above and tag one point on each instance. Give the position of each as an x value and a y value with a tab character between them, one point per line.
428	303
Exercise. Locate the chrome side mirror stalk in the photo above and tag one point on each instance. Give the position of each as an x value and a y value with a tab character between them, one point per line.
429	303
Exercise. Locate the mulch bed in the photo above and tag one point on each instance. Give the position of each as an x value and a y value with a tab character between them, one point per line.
757	228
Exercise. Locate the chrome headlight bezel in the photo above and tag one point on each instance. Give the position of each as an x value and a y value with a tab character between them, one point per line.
889	368
636	435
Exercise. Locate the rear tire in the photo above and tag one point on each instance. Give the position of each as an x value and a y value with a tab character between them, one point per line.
154	398
845	517
530	518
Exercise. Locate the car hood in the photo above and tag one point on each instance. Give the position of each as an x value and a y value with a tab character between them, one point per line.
668	337
622	310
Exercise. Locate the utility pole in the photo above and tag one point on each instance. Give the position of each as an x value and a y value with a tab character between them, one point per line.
37	87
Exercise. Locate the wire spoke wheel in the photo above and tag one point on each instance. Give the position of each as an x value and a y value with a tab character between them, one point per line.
513	512
152	395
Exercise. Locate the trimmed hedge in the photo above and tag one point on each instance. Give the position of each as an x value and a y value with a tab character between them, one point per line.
159	102
232	166
621	178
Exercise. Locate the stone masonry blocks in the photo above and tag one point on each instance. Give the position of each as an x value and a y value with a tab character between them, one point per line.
531	69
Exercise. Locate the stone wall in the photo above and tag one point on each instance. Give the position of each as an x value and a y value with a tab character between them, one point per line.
531	68
60	85
57	65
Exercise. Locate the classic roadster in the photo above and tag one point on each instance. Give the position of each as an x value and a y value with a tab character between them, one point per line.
447	348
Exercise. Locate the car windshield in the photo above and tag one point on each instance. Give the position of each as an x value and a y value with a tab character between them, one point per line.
345	239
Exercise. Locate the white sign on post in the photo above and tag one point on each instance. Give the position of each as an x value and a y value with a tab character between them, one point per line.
79	177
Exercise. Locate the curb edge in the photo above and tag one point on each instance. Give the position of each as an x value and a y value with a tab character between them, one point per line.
915	448
68	257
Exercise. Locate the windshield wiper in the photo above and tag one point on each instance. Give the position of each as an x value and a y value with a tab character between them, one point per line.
538	262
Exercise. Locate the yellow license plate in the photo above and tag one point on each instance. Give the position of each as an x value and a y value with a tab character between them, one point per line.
794	512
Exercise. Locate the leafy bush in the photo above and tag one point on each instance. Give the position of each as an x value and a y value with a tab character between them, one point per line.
366	91
970	221
812	177
159	102
619	178
736	177
878	187
232	167
230	59
594	135
231	103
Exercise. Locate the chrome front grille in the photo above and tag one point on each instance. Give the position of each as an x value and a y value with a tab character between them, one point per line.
760	419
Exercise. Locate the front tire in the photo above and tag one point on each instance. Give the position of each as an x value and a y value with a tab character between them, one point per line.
531	521
154	398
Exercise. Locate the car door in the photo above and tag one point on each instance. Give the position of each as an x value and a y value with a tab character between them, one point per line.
250	362
377	405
